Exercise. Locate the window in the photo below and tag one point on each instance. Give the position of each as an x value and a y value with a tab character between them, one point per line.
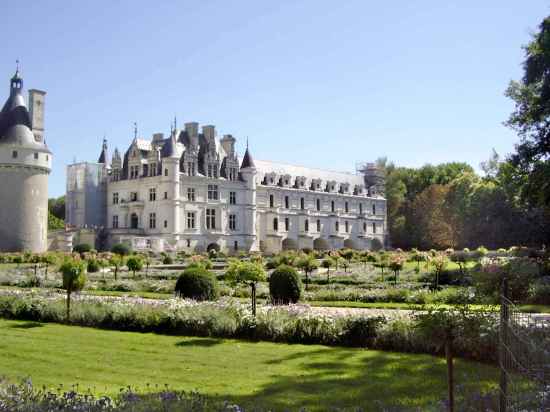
14	154
302	203
232	198
271	201
332	206
318	225
188	242
152	220
152	194
115	221
360	208
306	225
210	219
346	207
318	204
190	220
133	197
275	224
165	195
153	169
165	172
236	245
212	192
165	224
287	223
364	226
191	168
337	226
115	198
373	227
347	226
287	203
134	172
373	208
232	173
191	194
232	222
209	171
116	173
36	156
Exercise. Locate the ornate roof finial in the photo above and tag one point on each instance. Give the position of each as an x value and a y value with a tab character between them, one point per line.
135	130
246	142
175	122
17	66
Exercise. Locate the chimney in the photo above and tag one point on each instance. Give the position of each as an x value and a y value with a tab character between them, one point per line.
36	110
192	130
209	133
228	144
157	137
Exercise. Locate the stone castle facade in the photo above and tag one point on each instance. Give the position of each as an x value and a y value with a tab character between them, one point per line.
190	191
25	163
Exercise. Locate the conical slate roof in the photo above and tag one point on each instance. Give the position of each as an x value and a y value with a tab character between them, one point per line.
104	155
247	160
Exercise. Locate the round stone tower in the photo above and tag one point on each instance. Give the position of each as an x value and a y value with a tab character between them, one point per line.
25	163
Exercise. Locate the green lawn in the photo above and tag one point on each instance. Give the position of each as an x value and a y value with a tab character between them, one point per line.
279	375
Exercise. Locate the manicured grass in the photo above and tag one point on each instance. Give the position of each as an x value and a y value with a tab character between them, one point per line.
279	375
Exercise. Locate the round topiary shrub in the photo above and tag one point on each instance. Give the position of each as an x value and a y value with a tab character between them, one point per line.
82	248
167	260
197	283
285	285
121	249
93	266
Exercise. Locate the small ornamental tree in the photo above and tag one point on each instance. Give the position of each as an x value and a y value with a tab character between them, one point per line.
347	254
439	263
461	259
74	278
82	248
248	273
396	265
327	263
197	283
383	262
285	285
147	262
134	263
48	259
117	261
308	264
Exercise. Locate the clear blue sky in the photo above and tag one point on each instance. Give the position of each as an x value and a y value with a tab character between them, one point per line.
317	83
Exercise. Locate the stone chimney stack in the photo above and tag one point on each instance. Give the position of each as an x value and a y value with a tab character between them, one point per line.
209	133
228	144
192	129
36	110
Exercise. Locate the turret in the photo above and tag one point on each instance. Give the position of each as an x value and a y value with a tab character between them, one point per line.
25	163
104	155
248	174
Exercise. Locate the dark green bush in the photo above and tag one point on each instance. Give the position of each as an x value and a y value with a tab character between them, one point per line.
82	248
361	331
285	285
121	249
167	260
197	283
93	266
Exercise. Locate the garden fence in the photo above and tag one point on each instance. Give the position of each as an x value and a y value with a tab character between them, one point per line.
524	358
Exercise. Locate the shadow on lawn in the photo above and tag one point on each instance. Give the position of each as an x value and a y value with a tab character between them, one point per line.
376	381
27	325
198	342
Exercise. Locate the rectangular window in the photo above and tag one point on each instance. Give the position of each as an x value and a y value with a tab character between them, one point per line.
145	172
232	222
210	219
232	198
14	154
373	227
332	206
360	208
275	224
373	208
133	196
287	223
191	168
306	225
165	224
152	220
337	226
190	220
271	201
302	203
347	226
212	192
115	221
115	198
36	156
287	203
346	207
191	194
318	204
165	172
236	245
165	195
365	227
152	194
318	225
153	169
188	242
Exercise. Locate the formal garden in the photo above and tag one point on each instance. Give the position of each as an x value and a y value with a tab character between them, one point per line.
342	328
